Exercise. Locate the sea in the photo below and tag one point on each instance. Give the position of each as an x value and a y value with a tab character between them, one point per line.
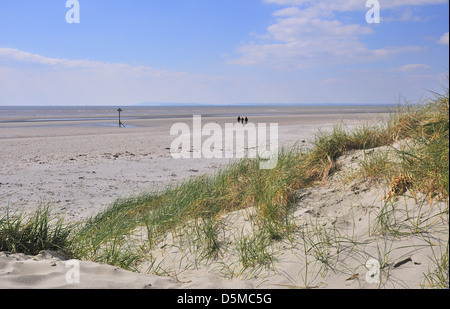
104	115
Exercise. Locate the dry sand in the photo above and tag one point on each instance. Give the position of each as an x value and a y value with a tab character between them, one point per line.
80	170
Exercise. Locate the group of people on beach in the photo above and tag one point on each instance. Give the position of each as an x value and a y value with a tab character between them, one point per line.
242	120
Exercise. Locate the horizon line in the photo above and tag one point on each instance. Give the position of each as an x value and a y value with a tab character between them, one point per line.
175	104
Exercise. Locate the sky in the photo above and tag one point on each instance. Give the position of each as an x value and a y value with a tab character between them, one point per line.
221	51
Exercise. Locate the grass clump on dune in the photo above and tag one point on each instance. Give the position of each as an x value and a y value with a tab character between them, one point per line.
30	234
427	159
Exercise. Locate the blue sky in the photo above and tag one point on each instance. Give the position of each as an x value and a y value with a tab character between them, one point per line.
221	51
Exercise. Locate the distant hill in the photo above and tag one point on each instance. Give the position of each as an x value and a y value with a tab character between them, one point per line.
251	104
174	104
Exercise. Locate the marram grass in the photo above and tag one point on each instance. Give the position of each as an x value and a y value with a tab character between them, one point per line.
30	234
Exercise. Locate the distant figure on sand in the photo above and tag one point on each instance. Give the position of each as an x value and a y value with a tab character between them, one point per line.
246	120
239	119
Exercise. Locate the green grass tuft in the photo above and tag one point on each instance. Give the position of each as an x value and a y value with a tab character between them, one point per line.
30	234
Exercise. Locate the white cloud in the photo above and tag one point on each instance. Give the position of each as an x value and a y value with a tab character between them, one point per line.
409	68
22	56
310	33
399	3
353	5
30	58
299	37
405	15
444	39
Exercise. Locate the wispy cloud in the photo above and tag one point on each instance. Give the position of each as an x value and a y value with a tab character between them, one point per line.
31	79
353	5
408	68
405	15
444	39
23	57
27	78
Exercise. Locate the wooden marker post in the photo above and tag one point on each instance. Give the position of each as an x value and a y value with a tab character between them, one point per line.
120	122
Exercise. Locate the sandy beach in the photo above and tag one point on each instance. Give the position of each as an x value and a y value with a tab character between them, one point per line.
80	169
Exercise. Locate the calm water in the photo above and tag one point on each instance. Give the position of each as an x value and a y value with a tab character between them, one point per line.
102	115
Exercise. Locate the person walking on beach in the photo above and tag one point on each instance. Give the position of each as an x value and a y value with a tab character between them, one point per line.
239	119
246	120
